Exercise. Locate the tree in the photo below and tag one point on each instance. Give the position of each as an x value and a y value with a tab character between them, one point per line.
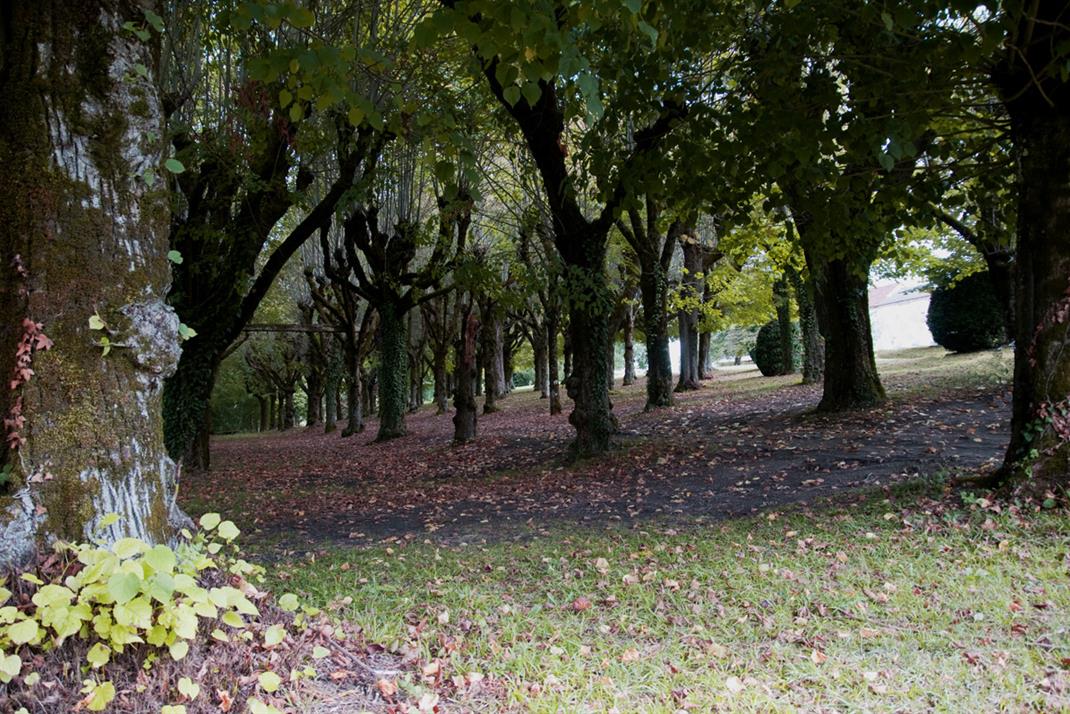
1032	83
85	334
537	58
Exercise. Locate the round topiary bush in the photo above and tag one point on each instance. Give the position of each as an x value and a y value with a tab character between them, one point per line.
766	353
967	316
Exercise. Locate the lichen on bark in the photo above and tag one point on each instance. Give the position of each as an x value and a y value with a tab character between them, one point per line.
82	128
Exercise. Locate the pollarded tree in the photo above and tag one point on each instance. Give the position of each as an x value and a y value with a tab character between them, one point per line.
547	64
86	338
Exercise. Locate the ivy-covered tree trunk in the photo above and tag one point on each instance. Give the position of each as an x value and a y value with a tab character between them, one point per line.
586	384
782	303
1038	456
841	297
464	399
629	346
654	290
393	371
813	343
83	235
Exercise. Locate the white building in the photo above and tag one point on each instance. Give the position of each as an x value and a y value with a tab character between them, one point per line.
897	312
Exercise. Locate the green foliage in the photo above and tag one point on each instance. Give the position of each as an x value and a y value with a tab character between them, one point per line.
130	595
766	354
966	316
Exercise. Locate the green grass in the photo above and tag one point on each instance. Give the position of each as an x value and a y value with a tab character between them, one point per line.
899	603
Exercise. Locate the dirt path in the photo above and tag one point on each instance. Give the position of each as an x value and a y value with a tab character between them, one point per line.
716	454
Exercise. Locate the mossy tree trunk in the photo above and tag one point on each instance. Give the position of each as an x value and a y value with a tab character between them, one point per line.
83	234
393	371
1038	456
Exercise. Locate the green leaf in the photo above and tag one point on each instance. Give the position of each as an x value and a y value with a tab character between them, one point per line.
228	531
633	6
161	559
274	635
22	632
285	97
100	696
269	681
153	19
10	667
174	166
511	95
95	323
179	649
209	521
98	655
289	602
109	519
129	547
185	332
319	652
296	113
188	688
532	93
356	116
258	707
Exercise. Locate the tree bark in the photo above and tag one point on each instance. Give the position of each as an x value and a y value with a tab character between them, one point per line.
490	350
393	372
542	368
464	399
654	289
782	303
83	234
705	366
265	416
841	297
441	376
1038	455
813	366
629	346
330	408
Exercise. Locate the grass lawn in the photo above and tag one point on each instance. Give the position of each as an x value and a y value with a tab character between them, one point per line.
900	601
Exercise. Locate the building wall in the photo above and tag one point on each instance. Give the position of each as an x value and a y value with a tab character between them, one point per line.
900	325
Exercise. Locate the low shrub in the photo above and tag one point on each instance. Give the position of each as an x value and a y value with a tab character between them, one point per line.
966	316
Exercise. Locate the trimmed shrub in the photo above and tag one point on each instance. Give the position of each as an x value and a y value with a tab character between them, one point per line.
966	316
766	352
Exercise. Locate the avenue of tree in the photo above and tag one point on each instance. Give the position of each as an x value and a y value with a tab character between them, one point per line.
316	207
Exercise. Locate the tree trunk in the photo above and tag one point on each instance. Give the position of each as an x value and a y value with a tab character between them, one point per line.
507	367
464	399
688	353
265	415
314	411
1038	456
355	399
611	355
273	416
813	344
490	349
705	364
841	296
291	413
782	303
553	378
654	290
538	350
442	394
589	318
567	353
629	346
330	408
393	371
83	234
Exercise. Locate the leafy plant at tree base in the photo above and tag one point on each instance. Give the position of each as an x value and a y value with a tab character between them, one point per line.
966	316
766	353
152	602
